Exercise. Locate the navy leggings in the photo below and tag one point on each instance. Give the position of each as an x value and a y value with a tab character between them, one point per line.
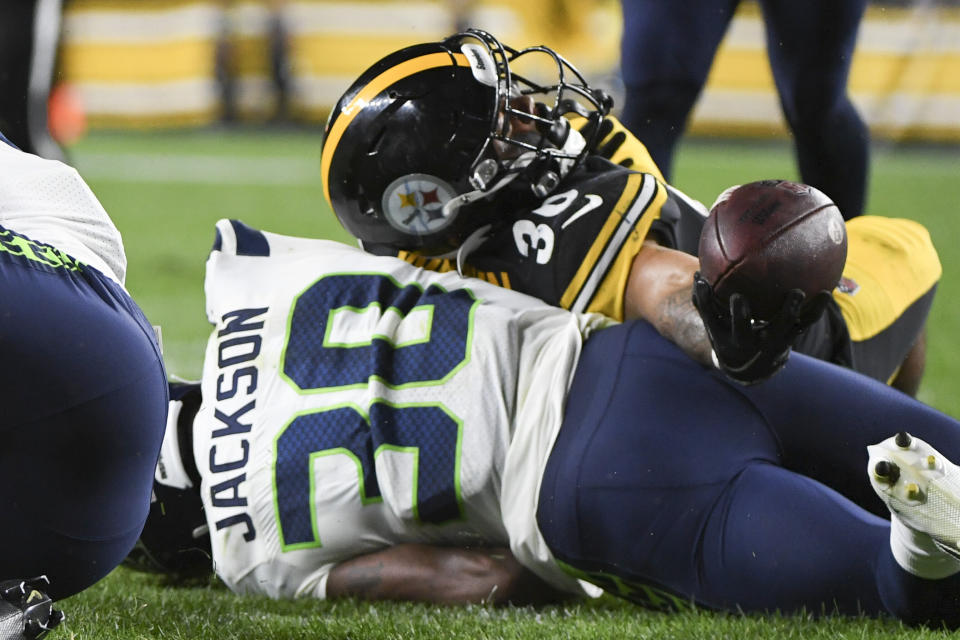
671	485
84	398
666	53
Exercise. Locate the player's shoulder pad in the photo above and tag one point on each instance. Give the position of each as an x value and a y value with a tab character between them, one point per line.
236	238
597	175
598	166
681	221
612	181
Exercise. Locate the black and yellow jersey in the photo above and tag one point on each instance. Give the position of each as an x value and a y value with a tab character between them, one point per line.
575	248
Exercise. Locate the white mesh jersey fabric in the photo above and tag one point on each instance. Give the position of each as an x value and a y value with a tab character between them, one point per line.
49	202
504	400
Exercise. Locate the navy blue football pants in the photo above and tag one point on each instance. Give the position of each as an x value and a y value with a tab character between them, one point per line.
84	402
669	485
666	53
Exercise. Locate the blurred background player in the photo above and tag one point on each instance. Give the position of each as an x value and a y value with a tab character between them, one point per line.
276	57
29	39
442	419
515	195
666	53
83	386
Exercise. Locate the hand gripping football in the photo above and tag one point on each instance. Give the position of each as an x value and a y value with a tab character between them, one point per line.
765	238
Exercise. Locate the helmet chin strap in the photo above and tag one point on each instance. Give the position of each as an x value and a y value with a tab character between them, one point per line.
572	146
474	240
451	206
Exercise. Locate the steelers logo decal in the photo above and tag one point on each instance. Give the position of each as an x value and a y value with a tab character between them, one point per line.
414	203
848	286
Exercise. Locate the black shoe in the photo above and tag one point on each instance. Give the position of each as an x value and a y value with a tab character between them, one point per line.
26	612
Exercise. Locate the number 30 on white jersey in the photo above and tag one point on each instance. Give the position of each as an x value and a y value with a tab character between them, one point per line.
352	402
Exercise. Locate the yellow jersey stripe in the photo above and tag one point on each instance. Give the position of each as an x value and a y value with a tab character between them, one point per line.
375	86
620	227
627	196
412	258
608	299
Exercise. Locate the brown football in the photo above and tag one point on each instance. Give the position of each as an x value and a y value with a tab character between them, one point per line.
764	238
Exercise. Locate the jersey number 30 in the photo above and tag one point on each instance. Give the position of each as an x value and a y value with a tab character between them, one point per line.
346	331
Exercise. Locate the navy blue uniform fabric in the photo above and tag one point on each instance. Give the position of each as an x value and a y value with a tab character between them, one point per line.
673	480
666	53
84	397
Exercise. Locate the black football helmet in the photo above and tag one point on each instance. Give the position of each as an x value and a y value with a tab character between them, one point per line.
415	150
175	539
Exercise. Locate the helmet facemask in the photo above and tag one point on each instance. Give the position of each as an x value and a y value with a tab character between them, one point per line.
433	128
549	149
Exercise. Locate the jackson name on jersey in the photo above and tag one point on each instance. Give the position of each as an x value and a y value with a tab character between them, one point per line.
353	402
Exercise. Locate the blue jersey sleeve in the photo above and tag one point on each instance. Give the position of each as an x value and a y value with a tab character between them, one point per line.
3	138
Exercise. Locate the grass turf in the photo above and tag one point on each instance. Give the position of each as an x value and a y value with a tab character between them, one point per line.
165	190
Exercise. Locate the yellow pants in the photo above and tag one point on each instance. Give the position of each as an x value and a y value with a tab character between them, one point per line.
888	284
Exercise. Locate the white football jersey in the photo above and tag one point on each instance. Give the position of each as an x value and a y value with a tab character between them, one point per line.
49	202
353	402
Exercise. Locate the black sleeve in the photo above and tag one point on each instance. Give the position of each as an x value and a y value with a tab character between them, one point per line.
576	248
827	338
680	222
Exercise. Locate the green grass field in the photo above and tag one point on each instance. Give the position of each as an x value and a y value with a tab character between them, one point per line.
165	191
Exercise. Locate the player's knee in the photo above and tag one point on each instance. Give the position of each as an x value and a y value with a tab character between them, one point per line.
816	103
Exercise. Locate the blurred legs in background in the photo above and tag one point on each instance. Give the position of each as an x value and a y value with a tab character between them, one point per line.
264	25
29	37
667	51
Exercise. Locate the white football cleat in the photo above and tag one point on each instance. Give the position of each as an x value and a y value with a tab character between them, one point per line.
920	487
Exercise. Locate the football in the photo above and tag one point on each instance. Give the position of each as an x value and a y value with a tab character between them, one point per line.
765	238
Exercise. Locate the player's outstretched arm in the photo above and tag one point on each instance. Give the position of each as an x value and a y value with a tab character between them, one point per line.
440	575
660	290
